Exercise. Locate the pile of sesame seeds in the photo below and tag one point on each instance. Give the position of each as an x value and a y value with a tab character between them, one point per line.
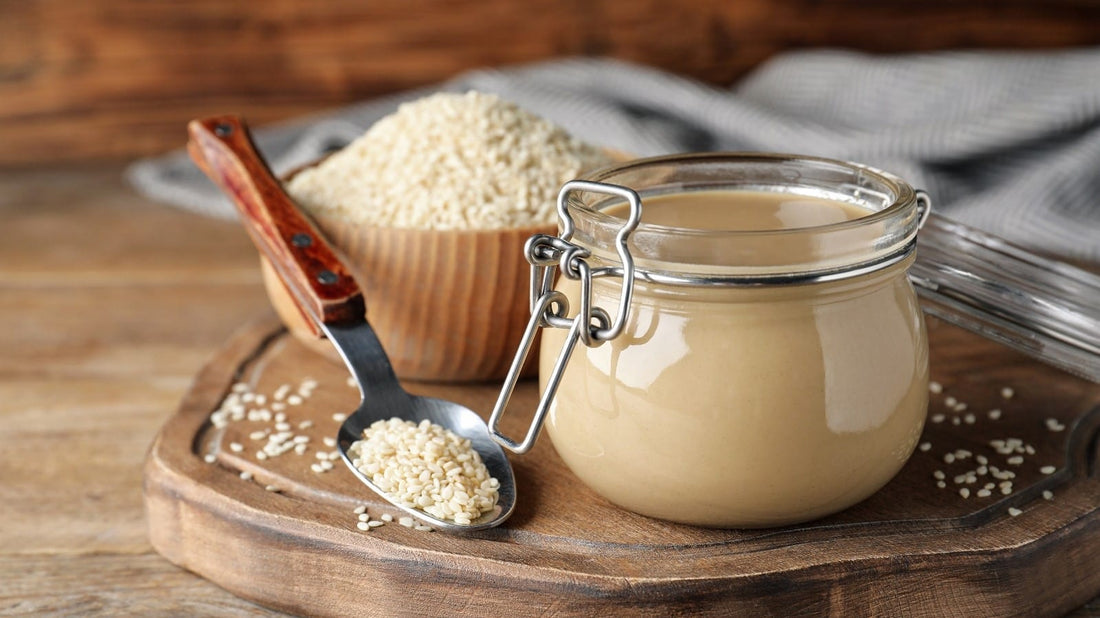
993	473
427	467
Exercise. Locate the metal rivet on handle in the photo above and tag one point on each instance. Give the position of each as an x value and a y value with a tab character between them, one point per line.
301	240
223	130
327	277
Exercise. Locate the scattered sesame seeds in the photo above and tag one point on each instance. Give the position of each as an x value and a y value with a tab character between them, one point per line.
210	458
271	488
935	387
938	418
329	441
294	400
1007	392
950	402
406	521
339	417
956	420
969	419
1048	494
240	387
359	510
423	528
994	414
949	458
1054	425
261	455
981	459
364	517
1006	490
278	406
377	524
305	424
1048	469
960	407
939	475
246	475
964	492
984	493
1013	511
280	417
941	484
387	517
1015	461
236	447
258	435
363	525
925	447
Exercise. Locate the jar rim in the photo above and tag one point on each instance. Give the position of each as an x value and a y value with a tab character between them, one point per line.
905	195
691	256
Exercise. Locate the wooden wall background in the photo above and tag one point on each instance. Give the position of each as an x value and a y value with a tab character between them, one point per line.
113	79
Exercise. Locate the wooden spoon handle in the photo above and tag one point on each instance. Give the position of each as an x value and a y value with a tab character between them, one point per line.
318	280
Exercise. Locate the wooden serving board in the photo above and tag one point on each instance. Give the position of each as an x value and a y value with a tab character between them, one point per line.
911	548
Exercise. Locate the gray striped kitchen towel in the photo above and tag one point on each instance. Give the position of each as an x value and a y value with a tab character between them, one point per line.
1007	142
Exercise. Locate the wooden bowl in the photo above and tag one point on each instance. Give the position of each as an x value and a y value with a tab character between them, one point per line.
448	306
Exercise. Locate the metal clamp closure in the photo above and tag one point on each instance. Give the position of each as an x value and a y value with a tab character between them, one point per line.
592	325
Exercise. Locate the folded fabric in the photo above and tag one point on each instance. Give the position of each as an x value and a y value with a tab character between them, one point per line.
1003	141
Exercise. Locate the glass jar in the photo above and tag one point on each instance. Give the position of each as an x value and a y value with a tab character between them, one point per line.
730	377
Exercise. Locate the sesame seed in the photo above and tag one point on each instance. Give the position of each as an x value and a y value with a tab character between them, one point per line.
941	484
278	405
294	400
236	447
376	524
261	455
305	424
1006	490
1048	495
281	392
950	402
938	418
359	510
387	517
329	441
406	521
989	486
364	517
935	387
938	474
339	417
246	475
956	420
363	525
1015	461
301	439
316	468
994	414
925	446
960	407
280	417
258	435
960	479
1013	511
248	397
210	458
240	387
260	400
1048	469
271	488
423	528
969	419
984	493
300	449
1007	392
1054	425
949	458
282	427
981	459
964	492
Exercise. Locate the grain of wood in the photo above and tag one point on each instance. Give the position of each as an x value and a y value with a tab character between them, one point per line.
119	78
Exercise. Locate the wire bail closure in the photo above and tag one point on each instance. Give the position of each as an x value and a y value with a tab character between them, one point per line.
592	326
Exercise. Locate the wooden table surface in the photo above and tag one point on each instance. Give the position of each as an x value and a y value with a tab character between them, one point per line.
110	306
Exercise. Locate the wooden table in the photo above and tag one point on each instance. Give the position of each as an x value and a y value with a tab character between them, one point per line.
111	304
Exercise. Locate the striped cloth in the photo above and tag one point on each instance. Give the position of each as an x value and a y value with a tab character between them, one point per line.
1005	142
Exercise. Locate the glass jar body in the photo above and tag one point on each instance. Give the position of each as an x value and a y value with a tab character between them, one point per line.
763	378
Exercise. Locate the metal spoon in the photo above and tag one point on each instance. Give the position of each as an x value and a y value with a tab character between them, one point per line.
325	291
